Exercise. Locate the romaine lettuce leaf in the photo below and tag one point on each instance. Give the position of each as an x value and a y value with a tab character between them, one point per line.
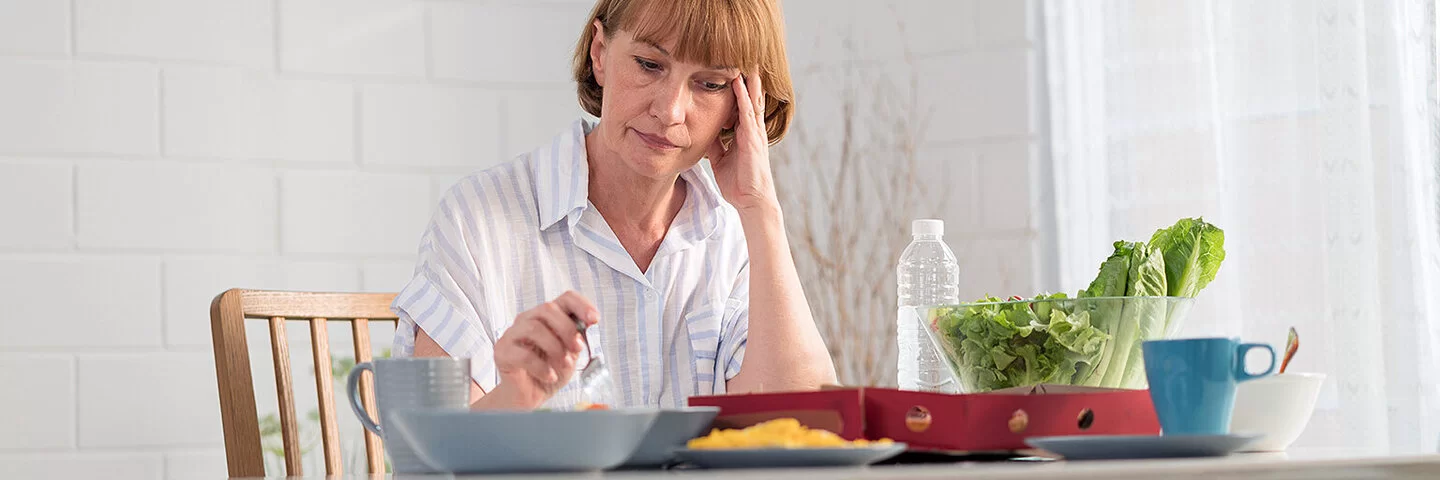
1146	278
1193	252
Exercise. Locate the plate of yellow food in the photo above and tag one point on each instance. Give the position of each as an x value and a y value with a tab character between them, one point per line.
783	442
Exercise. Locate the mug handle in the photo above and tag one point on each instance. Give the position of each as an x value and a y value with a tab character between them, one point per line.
1244	348
353	390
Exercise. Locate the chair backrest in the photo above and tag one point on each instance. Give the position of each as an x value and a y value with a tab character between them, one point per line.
228	314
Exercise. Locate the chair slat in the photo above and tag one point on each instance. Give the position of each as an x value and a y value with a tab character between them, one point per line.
374	448
284	390
325	390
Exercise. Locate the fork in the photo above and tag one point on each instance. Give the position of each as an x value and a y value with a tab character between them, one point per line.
595	377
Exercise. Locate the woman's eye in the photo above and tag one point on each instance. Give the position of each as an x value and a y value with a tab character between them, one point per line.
712	86
647	65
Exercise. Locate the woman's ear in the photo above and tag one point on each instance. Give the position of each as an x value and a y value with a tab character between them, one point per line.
597	54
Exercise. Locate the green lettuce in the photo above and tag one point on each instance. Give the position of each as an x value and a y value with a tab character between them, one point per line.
1001	345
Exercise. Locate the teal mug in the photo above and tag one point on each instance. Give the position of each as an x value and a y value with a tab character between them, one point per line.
1192	382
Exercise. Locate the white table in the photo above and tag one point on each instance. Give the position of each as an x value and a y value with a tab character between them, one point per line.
1309	464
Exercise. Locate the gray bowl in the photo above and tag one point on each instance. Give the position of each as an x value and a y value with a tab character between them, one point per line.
670	431
459	441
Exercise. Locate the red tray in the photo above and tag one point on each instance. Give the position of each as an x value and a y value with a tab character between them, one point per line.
993	421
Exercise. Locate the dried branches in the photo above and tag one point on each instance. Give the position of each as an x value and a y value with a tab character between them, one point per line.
849	186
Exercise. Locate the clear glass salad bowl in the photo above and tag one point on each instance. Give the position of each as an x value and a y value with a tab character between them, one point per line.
1093	341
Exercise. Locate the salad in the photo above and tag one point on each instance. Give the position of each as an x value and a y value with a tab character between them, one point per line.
1093	339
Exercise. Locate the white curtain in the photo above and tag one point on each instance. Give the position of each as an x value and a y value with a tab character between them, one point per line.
1307	129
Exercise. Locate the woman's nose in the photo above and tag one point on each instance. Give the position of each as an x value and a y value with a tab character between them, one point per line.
669	103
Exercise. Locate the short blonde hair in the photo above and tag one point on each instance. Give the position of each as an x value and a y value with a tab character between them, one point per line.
745	34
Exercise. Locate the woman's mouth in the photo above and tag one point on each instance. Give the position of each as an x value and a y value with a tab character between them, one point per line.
654	141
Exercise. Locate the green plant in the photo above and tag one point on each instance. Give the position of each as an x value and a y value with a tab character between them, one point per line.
271	441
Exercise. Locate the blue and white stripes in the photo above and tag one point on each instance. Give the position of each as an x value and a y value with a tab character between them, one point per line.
511	237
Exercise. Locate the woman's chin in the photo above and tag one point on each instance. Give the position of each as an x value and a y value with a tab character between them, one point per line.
657	164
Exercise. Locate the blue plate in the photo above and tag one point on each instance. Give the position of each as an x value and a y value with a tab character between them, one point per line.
788	457
462	441
670	431
1113	447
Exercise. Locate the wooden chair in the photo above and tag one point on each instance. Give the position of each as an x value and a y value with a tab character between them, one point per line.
228	314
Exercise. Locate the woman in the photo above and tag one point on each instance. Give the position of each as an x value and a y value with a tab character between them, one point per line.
687	280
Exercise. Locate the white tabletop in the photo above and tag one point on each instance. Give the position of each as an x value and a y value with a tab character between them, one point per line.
1309	464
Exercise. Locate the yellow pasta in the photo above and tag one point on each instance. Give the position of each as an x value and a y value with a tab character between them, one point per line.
778	433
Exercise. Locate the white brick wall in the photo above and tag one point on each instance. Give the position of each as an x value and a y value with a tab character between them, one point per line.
156	152
232	32
116	466
39	399
427	126
38	196
60	106
812	27
353	37
35	26
176	206
529	116
380	276
188	465
938	27
473	41
231	113
96	301
1006	168
128	409
328	212
995	104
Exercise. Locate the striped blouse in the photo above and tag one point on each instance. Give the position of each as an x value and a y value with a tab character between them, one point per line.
511	237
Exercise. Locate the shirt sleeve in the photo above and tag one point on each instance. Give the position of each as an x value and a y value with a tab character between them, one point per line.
445	297
735	327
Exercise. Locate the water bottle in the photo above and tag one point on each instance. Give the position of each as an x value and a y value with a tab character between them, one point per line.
928	275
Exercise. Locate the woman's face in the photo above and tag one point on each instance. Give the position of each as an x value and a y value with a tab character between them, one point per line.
658	114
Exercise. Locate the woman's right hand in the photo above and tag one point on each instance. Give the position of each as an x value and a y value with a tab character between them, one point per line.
536	356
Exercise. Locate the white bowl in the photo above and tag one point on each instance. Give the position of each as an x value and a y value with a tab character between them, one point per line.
1276	407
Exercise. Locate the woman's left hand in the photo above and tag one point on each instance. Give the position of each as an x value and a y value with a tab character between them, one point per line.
743	171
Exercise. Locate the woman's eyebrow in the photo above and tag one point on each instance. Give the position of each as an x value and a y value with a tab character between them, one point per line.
657	47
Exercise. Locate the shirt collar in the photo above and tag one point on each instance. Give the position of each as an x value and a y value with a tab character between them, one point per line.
562	188
561	172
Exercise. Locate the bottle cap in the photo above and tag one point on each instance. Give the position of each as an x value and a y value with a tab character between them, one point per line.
927	226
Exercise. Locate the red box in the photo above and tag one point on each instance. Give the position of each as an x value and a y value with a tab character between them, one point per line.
984	422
